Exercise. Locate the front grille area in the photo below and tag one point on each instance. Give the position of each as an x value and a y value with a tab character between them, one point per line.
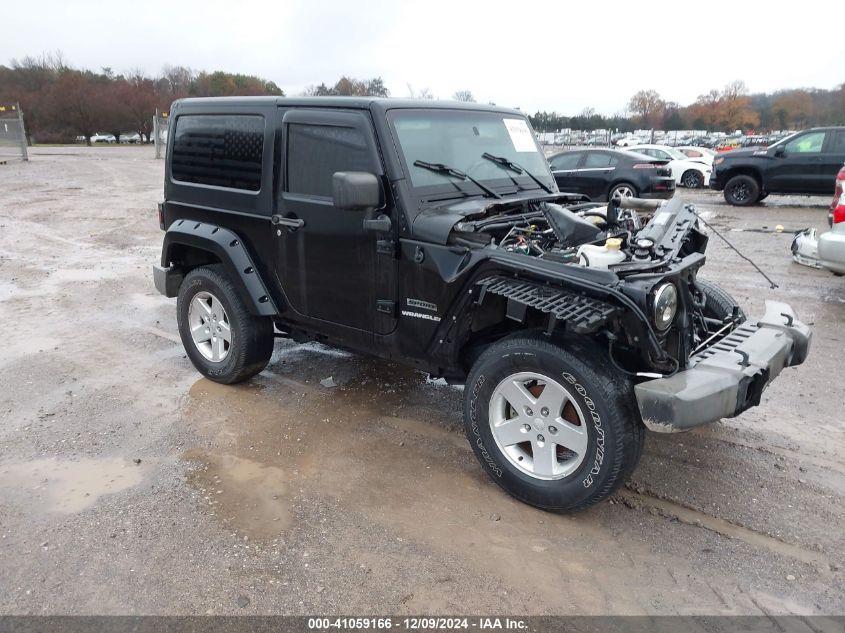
582	314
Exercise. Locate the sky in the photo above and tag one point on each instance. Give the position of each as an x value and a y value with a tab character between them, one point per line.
554	55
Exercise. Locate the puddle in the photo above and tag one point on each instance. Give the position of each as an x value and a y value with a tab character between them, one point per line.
254	497
68	486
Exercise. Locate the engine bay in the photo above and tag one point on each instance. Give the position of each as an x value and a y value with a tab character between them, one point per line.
625	236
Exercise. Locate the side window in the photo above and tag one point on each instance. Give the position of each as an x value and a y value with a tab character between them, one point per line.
565	161
223	150
600	159
837	144
806	144
316	152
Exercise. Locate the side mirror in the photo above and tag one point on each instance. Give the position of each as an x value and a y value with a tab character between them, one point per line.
780	151
356	190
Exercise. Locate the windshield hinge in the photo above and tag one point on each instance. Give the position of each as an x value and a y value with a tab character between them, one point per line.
386	247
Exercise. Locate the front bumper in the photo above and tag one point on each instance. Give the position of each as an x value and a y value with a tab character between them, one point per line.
728	377
715	183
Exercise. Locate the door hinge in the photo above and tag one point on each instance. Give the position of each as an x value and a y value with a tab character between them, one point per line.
386	307
386	247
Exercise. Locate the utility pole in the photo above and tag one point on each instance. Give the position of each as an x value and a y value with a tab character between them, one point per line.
24	154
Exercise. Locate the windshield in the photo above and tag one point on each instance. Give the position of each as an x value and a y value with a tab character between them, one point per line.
460	138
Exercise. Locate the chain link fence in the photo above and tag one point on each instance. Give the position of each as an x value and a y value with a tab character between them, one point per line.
12	134
159	133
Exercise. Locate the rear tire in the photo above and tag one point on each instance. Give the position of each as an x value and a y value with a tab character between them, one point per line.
622	190
209	311
577	414
742	191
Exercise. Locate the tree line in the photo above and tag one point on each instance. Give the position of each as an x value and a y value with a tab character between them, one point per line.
61	102
728	109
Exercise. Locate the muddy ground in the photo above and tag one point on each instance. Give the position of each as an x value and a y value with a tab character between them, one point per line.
130	485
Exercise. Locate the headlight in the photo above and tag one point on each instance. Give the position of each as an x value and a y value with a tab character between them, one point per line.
665	306
719	160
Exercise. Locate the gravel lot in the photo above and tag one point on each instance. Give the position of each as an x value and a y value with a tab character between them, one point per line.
128	485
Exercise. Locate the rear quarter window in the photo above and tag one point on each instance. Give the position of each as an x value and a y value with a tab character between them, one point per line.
221	150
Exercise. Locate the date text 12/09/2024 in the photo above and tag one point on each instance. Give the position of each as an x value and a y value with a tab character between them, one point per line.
417	623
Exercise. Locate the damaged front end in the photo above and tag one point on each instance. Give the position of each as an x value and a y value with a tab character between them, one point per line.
642	299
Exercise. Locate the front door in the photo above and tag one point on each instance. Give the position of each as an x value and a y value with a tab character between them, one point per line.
326	266
798	168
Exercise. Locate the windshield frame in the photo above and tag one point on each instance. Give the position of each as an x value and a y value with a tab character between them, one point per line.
509	183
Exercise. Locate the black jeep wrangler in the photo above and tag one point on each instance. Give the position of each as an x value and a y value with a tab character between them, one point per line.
433	234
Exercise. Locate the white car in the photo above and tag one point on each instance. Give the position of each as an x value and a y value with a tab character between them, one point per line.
686	172
628	141
131	137
827	251
103	138
832	243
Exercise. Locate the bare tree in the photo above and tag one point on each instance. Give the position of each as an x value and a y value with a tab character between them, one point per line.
649	107
425	93
463	95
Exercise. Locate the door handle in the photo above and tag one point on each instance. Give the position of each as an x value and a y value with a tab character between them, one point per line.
291	223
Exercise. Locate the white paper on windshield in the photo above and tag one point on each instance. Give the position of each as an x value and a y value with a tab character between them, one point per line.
520	135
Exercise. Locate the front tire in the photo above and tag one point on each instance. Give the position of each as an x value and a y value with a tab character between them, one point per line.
552	423
224	341
742	191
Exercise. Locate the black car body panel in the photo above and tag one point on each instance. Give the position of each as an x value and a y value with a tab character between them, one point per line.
594	173
804	163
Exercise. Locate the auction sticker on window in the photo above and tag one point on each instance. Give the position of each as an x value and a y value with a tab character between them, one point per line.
520	135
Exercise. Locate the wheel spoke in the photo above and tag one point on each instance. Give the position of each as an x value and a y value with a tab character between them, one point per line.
216	309
515	392
553	398
201	333
202	306
544	458
511	432
216	349
570	436
225	332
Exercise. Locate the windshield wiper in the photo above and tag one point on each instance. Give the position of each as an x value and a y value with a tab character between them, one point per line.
440	168
516	167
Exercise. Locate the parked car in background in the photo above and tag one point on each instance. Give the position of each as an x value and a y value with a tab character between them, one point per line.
628	141
827	251
805	163
602	174
103	138
754	140
832	243
686	172
726	144
698	154
131	138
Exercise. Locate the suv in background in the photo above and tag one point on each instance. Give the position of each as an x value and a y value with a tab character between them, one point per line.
804	163
433	235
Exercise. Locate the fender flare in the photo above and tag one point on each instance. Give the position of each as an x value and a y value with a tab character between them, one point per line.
230	250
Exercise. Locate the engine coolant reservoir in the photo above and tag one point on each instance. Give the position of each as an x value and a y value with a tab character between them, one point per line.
601	256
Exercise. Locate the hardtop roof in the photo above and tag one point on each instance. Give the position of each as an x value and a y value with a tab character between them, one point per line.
381	104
